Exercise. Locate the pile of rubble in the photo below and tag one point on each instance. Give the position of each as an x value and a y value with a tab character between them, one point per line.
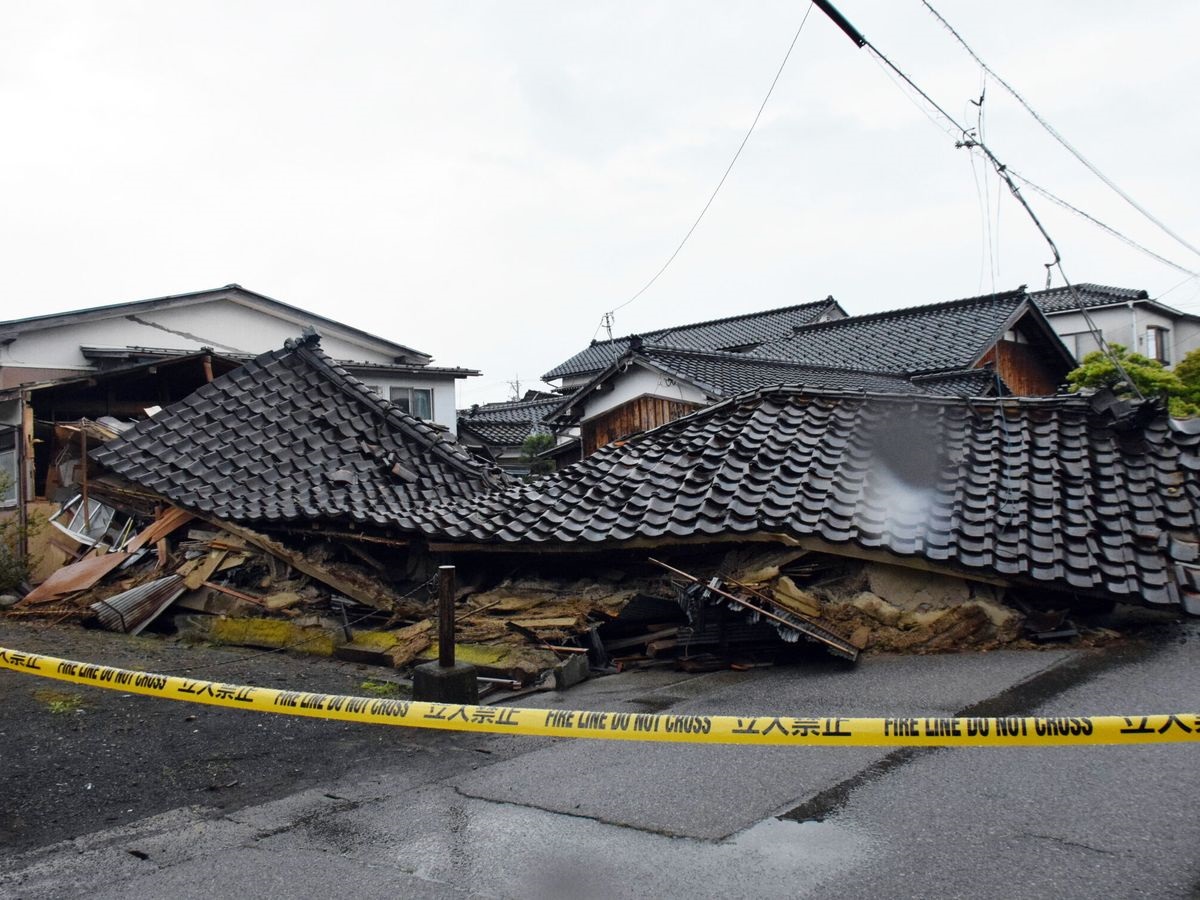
224	583
287	506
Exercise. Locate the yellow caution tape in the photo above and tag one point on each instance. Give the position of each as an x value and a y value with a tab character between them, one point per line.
795	731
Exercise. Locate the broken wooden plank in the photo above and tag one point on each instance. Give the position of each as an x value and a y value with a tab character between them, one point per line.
473	612
226	589
163	525
281	600
360	588
202	571
795	599
369	647
410	642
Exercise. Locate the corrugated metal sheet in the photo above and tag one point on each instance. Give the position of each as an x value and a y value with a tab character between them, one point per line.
137	607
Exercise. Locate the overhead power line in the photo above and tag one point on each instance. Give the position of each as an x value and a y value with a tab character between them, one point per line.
1108	228
1091	167
728	169
972	142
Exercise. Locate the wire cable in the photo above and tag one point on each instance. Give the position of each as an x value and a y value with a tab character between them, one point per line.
1058	137
728	168
1101	225
972	141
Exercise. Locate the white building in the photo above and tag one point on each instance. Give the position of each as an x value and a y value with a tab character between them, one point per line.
1124	316
233	322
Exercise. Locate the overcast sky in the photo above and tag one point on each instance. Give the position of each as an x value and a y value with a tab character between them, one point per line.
482	181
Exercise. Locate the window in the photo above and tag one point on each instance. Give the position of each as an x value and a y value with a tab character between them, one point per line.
93	522
376	389
414	401
1157	344
8	466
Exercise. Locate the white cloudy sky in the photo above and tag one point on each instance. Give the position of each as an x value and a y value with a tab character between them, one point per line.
483	180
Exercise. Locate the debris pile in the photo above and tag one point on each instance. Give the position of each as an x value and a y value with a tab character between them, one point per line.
225	583
287	506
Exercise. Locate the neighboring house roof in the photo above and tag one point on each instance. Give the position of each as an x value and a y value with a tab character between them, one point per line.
718	334
221	363
234	292
291	435
724	375
120	354
938	337
1072	493
507	424
727	374
1061	299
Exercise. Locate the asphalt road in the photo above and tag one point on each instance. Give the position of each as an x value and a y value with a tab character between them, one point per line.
435	815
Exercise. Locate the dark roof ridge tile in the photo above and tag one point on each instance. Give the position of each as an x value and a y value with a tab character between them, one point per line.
672	329
903	312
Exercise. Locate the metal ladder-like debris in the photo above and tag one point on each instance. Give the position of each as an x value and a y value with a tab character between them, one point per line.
790	625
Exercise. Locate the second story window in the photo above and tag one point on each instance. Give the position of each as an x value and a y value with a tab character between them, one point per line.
416	402
1158	344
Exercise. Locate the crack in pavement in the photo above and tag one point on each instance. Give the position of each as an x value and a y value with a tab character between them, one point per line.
1068	843
589	817
1044	685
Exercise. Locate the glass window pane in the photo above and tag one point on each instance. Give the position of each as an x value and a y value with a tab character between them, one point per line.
422	403
400	397
8	476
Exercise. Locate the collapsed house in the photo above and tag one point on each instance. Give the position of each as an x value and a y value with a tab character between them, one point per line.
47	429
1090	497
290	506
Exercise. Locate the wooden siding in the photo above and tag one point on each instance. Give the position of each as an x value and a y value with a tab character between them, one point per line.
1024	370
639	414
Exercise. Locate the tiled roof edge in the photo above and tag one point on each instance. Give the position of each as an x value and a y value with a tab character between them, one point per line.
310	352
663	332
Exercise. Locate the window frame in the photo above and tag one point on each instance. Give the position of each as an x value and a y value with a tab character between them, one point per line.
10	465
1158	338
405	398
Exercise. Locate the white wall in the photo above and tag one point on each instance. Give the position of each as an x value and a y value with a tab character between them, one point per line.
221	324
1126	326
637	382
444	412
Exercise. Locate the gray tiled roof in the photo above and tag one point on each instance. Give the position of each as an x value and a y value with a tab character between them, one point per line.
724	375
1060	299
291	435
962	383
729	374
921	339
1053	492
507	424
717	334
